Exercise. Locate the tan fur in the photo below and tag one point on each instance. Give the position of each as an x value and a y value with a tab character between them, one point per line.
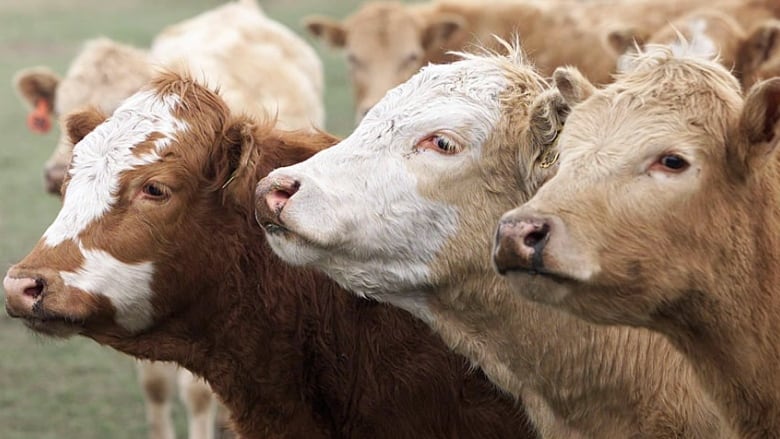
386	42
751	57
692	254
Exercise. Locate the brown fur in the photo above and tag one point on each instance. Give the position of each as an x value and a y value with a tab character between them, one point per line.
289	353
690	254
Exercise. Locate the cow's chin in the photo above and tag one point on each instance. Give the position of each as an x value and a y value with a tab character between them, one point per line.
53	327
45	318
547	288
293	248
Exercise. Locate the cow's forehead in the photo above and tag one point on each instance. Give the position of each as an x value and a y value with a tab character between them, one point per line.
107	152
445	95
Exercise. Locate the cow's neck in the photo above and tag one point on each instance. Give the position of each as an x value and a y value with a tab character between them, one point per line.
729	326
526	347
247	337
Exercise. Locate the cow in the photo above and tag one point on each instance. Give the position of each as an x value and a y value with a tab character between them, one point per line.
386	42
664	215
400	211
279	72
752	56
156	253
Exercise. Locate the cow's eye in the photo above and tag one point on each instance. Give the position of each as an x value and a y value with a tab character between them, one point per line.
673	162
440	144
154	191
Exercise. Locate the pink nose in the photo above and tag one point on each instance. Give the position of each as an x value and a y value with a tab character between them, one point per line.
520	243
21	293
271	195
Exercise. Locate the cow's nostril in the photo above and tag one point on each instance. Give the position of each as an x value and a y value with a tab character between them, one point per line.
36	290
537	238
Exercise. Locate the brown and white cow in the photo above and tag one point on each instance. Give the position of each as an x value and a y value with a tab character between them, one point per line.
665	214
156	253
401	212
278	72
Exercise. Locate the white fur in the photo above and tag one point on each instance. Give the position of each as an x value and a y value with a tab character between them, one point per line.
128	286
104	154
359	209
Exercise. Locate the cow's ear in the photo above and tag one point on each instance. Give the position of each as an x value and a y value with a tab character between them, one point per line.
235	161
547	115
37	84
573	86
80	123
441	29
758	135
326	29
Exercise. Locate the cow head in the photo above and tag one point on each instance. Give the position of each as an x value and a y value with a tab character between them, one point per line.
385	44
153	204
104	73
707	32
407	199
653	204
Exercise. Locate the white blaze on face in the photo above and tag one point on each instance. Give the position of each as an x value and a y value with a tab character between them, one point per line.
359	207
126	285
98	162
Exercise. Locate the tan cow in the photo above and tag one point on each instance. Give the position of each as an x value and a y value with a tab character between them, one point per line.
665	214
712	32
400	211
278	74
386	42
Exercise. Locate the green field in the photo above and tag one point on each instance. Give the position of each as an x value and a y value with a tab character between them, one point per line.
75	388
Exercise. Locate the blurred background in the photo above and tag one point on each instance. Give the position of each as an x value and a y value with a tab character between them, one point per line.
75	388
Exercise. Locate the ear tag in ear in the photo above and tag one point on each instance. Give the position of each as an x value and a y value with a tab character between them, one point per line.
39	120
550	156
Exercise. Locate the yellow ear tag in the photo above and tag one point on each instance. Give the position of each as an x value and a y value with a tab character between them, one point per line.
551	155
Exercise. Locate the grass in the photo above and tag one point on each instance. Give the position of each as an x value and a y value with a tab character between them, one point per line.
75	388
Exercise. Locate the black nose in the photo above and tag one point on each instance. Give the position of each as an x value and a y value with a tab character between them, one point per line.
520	244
